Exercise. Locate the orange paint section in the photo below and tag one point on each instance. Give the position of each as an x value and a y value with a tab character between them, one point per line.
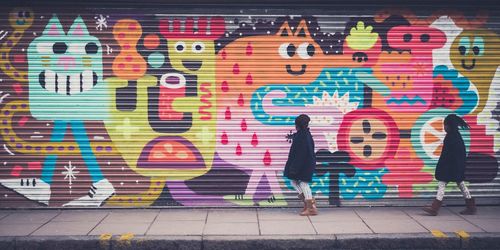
128	64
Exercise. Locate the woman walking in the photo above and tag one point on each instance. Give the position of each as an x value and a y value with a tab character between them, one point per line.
451	165
301	163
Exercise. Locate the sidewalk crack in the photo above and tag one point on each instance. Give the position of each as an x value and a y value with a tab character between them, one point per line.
258	220
364	222
152	222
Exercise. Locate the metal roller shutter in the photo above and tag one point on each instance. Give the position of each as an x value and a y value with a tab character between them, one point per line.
138	105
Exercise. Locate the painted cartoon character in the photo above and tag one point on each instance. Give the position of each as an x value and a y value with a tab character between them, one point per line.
243	66
66	85
474	55
363	45
175	108
20	20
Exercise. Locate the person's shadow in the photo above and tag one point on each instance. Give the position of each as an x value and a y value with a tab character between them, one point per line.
334	163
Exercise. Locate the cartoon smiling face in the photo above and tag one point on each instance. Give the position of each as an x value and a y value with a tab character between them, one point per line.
473	49
474	53
295	48
21	18
190	54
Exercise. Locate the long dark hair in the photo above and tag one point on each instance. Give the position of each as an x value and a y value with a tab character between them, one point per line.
454	122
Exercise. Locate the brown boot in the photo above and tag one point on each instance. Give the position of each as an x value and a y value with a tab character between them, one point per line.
303	199
311	208
470	207
434	208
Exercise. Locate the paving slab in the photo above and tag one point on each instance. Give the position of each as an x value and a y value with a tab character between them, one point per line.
336	214
54	228
81	215
27	217
182	215
231	216
378	213
136	228
24	229
280	227
4	214
341	227
482	212
244	228
281	214
135	216
450	225
444	214
488	225
163	227
394	226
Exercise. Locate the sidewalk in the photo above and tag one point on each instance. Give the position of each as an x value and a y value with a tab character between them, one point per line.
352	227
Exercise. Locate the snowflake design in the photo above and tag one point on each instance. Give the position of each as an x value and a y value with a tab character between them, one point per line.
101	22
70	173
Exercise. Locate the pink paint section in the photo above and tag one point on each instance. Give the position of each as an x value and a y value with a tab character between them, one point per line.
23	121
18	88
16	171
78	31
34	165
68	62
54	31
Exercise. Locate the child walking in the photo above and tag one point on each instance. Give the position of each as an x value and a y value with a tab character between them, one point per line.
451	165
301	163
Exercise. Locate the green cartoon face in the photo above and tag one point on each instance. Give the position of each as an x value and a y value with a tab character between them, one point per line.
65	74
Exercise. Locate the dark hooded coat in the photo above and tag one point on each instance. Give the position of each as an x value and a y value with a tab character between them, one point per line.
301	161
451	164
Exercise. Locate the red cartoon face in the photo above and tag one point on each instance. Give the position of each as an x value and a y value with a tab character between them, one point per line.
418	39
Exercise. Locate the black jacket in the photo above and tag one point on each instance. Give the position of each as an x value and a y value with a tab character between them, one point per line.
451	164
301	161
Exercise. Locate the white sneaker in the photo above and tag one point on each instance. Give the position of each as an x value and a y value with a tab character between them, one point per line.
98	193
32	188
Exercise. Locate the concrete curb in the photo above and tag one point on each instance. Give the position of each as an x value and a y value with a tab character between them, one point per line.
361	241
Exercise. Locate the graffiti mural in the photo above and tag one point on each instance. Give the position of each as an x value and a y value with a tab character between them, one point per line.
113	109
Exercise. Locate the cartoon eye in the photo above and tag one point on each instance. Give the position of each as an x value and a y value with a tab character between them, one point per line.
180	47
462	50
476	50
20	14
407	37
59	48
91	48
478	46
463	45
305	50
425	38
27	14
198	47
286	50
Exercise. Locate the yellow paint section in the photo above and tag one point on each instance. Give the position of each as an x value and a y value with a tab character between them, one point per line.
104	237
126	237
462	234
438	234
